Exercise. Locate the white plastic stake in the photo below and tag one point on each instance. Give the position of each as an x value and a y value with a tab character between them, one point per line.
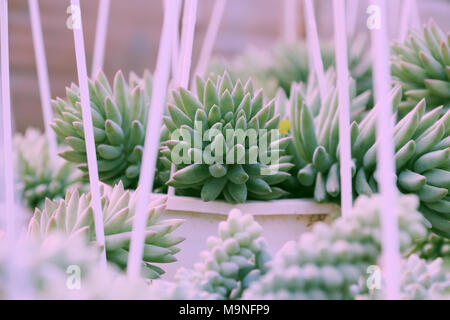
87	125
290	20
171	15
385	156
314	54
210	38
42	71
6	119
100	36
340	40
185	57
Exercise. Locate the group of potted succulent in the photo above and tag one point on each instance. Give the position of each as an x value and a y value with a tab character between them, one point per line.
217	143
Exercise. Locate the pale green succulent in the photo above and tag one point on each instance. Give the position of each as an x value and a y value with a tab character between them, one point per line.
225	142
329	261
287	63
421	65
233	260
38	178
119	115
434	247
73	216
58	268
422	154
420	280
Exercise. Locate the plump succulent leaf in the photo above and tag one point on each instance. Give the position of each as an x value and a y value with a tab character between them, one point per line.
73	216
39	178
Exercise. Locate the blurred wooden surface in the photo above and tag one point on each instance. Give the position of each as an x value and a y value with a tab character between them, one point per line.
133	38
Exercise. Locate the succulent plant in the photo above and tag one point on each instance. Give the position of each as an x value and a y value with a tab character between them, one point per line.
329	261
73	216
119	116
422	154
225	142
421	280
38	178
287	63
434	247
58	268
233	260
421	65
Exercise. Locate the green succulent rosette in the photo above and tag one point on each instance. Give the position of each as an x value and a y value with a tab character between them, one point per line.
74	217
225	143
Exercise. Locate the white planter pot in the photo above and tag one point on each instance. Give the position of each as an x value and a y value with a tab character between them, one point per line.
282	220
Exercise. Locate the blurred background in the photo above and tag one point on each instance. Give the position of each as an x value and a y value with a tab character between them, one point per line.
133	38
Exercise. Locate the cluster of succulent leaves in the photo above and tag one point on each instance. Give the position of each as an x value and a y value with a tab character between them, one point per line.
422	154
61	268
330	261
421	65
232	168
420	280
287	63
434	247
73	216
234	259
119	116
38	178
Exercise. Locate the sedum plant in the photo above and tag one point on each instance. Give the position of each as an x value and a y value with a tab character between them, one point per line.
422	154
38	178
421	280
421	65
225	142
73	216
329	261
434	247
233	260
58	268
119	115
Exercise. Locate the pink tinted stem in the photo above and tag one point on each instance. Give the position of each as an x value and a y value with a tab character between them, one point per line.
340	41
314	47
385	156
352	16
152	137
100	36
88	128
210	38
42	71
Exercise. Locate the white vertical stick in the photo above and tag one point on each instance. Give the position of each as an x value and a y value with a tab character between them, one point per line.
100	36
210	38
185	57
187	41
415	14
6	118
290	20
152	136
42	71
340	41
352	16
314	47
87	126
386	165
404	19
